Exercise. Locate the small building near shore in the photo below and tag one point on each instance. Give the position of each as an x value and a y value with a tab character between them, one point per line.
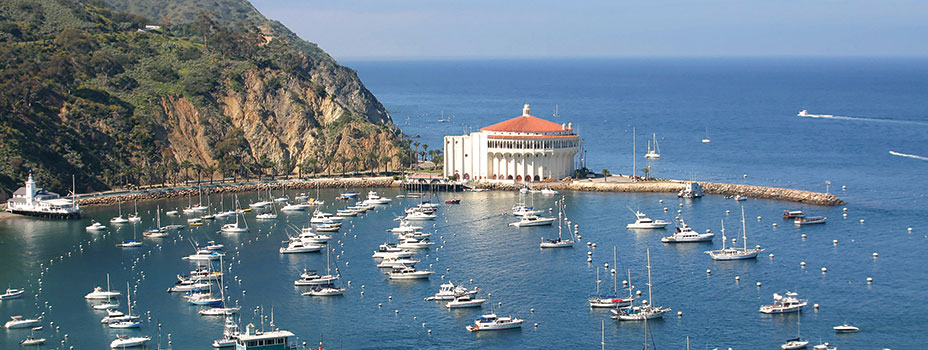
522	149
34	201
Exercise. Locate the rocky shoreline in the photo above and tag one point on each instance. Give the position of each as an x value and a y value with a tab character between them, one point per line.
764	192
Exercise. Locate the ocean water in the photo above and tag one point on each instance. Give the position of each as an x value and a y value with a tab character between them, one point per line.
748	106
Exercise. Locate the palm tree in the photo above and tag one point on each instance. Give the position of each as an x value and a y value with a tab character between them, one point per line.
186	165
329	159
199	169
372	161
174	168
355	161
210	169
417	148
425	149
311	165
384	161
343	162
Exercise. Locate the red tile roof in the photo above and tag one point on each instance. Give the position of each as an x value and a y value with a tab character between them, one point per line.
524	123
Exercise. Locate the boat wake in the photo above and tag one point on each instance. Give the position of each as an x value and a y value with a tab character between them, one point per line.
804	114
907	155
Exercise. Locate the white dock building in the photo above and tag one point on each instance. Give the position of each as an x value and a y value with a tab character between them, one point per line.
34	201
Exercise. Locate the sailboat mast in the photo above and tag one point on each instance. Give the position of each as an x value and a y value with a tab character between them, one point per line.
615	279
107	282
650	298
129	300
744	233
629	280
602	337
634	156
723	234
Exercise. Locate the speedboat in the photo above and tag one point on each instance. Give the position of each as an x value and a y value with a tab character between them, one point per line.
794	343
413	243
203	254
388	250
349	194
99	293
419	216
20	322
373	198
686	234
324	291
465	301
105	306
311	278
328	227
532	220
521	210
12	293
31	341
266	216
219	311
642	221
453	201
789	302
450	291
792	214
405	227
394	261
129	243
320	217
95	226
260	204
408	273
189	286
123	341
548	192
809	220
491	322
846	328
297	245
308	236
212	245
295	207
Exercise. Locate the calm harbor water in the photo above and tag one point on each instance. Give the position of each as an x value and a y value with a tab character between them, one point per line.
749	107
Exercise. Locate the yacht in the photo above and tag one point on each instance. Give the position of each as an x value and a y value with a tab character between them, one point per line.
642	221
390	262
296	245
312	278
329	227
414	235
203	255
685	234
732	253
95	227
408	273
419	216
20	322
32	341
810	220
189	286
611	301
281	339
558	242
105	306
491	322
656	151
450	291
792	214
412	243
405	227
229	333
522	210
647	310
100	294
548	192
465	301
124	341
119	219
380	253
324	291
342	213
308	236
846	328
373	198
532	220
789	302
295	207
12	293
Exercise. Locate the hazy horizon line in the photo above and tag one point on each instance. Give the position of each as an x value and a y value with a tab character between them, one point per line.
581	57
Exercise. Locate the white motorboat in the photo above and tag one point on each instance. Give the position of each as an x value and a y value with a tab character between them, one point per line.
123	341
405	227
846	328
135	216
686	234
825	346
171	213
388	250
324	292
408	273
789	302
119	220
491	322
105	306
732	253
260	204
810	220
642	221
390	262
373	198
343	213
647	310
308	236
656	151
532	220
235	228
548	192
212	245
32	341
295	207
219	311
450	291
739	198
95	227
328	227
189	286
522	210
296	246
203	255
100	294
320	217
419	216
20	322
465	301
413	243
12	293
414	235
312	278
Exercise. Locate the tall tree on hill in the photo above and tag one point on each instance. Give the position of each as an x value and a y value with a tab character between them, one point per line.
355	163
329	162
186	165
210	169
344	162
384	162
425	149
417	149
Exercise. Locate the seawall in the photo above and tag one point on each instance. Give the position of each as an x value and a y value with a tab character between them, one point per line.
776	193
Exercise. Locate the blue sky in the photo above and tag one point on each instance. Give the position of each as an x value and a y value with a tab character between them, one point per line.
427	29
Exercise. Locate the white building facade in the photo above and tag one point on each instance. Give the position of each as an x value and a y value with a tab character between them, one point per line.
524	148
35	201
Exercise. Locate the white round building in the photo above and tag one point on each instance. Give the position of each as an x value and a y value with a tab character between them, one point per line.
524	148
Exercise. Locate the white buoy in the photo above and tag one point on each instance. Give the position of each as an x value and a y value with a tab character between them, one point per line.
774	225
861	221
708	271
660	201
536	325
910	229
589	244
379	305
589	253
758	218
589	260
396	312
824	269
844	215
815	306
834	241
844	209
679	313
681	205
532	310
758	284
771	255
389	297
875	255
606	265
803	264
803	236
430	331
869	280
737	278
594	245
665	209
727	211
679	211
638	292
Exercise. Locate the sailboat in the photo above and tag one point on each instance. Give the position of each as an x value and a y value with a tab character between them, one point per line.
235	228
732	253
558	242
599	300
556	114
797	342
222	208
131	243
135	217
119	219
220	309
127	321
99	293
656	151
157	231
706	140
647	310
269	215
200	206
